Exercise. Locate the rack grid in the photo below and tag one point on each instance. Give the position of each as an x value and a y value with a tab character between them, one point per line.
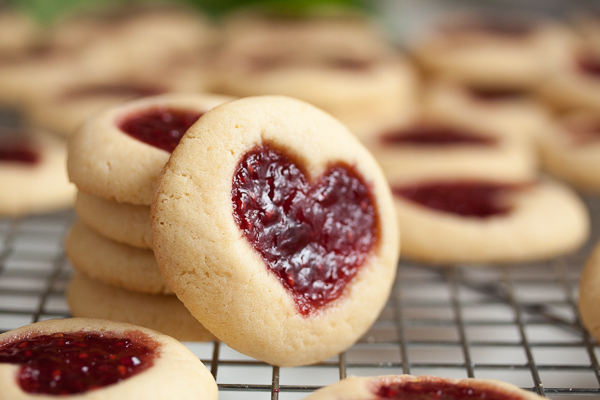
515	323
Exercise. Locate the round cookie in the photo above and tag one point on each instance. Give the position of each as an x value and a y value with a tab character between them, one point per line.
589	293
124	223
493	50
430	145
286	247
468	220
32	174
105	161
88	298
79	358
113	263
570	150
408	387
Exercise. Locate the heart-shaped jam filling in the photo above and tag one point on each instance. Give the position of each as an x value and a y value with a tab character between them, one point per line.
314	236
160	127
475	199
430	135
491	94
70	363
589	65
18	151
438	390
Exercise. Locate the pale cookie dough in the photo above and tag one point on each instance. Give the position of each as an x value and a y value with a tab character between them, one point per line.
408	387
104	161
570	150
124	223
543	219
222	277
38	182
490	49
174	371
88	298
113	263
439	146
589	293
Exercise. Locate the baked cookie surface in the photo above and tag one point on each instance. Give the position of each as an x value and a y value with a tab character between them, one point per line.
408	387
244	230
144	363
589	293
106	161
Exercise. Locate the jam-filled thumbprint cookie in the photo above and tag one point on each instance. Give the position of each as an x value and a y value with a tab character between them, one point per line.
408	387
275	227
80	358
118	153
474	220
589	293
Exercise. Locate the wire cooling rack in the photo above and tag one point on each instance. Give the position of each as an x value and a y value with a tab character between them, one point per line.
517	324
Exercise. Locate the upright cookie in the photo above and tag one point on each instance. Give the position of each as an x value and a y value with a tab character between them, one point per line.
408	387
119	153
275	228
82	358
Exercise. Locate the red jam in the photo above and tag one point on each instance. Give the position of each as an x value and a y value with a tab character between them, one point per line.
314	236
583	132
434	136
589	65
495	94
70	363
476	199
160	127
438	390
110	90
22	152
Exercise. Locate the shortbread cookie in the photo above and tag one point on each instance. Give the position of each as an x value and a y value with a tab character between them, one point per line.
121	222
113	263
33	174
88	298
490	49
466	220
343	66
570	150
79	358
408	387
119	153
589	293
276	229
507	111
432	146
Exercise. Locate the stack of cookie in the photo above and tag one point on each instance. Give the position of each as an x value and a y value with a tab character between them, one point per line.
114	160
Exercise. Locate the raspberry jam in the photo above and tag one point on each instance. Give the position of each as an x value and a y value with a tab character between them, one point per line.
160	127
438	390
434	136
70	363
21	152
314	236
490	94
469	199
589	65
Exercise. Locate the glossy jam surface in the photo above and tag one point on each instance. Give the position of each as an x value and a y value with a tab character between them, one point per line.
435	136
495	94
70	363
439	390
110	90
20	151
465	198
160	127
589	65
314	236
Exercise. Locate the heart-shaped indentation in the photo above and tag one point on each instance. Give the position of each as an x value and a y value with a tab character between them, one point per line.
160	127
314	236
476	199
70	363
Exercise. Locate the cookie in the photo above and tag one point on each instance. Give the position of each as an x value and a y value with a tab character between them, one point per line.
589	293
32	173
343	66
275	228
570	150
467	220
113	263
120	222
418	387
18	33
492	50
79	358
118	153
428	146
88	298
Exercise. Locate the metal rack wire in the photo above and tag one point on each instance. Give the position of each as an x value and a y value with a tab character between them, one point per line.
513	323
